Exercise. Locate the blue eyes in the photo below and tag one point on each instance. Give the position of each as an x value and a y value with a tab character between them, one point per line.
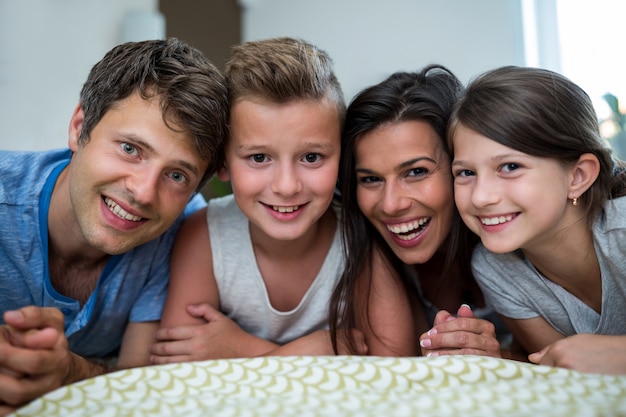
128	148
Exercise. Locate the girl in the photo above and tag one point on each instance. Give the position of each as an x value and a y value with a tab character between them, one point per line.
534	180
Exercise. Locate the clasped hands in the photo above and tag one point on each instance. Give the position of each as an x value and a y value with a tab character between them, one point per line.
463	334
34	355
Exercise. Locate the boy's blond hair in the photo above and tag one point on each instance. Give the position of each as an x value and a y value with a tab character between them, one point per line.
280	70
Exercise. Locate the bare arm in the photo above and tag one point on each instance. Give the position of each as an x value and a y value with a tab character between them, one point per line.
532	334
586	353
582	352
389	327
135	349
192	280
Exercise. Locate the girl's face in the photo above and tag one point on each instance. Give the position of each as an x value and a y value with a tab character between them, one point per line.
404	188
508	198
282	161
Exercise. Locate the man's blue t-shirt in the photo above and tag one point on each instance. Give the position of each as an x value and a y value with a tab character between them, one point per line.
132	286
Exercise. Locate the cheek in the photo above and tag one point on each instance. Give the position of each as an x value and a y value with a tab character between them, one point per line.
463	200
366	200
322	182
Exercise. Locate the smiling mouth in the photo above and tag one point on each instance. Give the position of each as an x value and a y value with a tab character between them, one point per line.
120	212
410	230
494	221
285	209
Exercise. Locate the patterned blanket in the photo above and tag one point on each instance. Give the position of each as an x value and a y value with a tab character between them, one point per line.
339	386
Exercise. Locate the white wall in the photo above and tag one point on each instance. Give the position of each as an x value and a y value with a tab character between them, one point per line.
369	39
47	48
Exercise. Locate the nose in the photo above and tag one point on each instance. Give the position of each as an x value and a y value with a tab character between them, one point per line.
485	191
286	181
143	184
394	199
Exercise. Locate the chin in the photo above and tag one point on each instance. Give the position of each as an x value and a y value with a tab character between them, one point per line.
499	248
413	258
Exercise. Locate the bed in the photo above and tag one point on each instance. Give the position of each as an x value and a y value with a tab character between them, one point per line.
339	386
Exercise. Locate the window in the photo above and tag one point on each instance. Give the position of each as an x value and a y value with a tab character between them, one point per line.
583	40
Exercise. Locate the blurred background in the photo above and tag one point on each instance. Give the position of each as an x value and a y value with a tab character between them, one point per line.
47	47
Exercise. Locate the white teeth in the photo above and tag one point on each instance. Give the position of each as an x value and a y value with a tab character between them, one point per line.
120	212
408	227
492	221
282	209
407	237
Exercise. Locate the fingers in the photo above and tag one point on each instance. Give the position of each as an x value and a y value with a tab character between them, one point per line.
465	311
538	357
464	324
33	317
459	340
27	361
204	311
46	338
464	334
442	317
18	391
175	333
175	348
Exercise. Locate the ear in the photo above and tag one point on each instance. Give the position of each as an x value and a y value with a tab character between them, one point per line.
584	174
222	174
76	126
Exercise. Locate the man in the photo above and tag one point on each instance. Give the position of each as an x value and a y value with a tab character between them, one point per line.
86	233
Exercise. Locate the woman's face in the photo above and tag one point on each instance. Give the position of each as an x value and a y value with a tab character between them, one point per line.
405	189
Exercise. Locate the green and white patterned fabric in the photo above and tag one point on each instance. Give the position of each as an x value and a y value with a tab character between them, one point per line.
340	386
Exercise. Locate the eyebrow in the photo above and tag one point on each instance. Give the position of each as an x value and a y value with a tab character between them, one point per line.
410	162
497	158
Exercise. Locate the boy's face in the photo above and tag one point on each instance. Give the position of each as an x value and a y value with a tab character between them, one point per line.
282	161
132	179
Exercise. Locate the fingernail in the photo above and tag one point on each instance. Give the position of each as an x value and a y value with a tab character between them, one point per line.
432	354
466	305
431	332
425	343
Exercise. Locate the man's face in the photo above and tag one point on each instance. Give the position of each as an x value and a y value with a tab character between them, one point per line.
133	177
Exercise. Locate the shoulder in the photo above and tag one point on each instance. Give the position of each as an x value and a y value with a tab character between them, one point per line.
22	172
613	215
222	204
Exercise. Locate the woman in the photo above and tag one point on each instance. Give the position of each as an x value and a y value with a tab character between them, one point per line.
397	198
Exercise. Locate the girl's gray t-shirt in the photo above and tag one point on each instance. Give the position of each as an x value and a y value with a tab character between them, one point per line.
515	289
